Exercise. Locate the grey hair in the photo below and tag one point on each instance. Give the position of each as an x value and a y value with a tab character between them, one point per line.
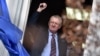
57	16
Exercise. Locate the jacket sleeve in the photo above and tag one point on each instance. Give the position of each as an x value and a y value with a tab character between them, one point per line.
33	18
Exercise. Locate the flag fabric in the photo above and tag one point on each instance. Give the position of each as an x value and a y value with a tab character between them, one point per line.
9	33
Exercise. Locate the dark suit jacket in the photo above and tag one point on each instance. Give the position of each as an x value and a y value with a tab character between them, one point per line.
38	36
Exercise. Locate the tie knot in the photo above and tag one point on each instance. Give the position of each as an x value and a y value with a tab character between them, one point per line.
53	35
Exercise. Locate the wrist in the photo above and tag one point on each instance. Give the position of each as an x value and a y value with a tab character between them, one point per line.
39	10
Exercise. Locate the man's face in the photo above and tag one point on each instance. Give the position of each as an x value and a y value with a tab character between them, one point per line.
54	24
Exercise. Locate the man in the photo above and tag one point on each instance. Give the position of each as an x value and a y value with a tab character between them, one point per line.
46	41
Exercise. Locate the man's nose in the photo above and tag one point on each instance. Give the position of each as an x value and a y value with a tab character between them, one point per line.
53	23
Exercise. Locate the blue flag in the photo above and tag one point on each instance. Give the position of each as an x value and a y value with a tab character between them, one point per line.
9	33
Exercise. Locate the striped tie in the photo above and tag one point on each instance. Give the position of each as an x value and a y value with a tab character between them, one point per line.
53	46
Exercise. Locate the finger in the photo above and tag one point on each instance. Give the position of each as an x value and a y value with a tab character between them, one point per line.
43	5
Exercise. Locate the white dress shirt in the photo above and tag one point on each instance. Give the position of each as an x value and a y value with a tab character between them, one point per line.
47	49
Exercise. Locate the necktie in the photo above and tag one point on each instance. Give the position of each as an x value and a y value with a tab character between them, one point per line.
53	46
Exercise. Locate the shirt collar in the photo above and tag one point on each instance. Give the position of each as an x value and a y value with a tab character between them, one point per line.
50	33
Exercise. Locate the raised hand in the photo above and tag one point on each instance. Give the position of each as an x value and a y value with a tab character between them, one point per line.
41	7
